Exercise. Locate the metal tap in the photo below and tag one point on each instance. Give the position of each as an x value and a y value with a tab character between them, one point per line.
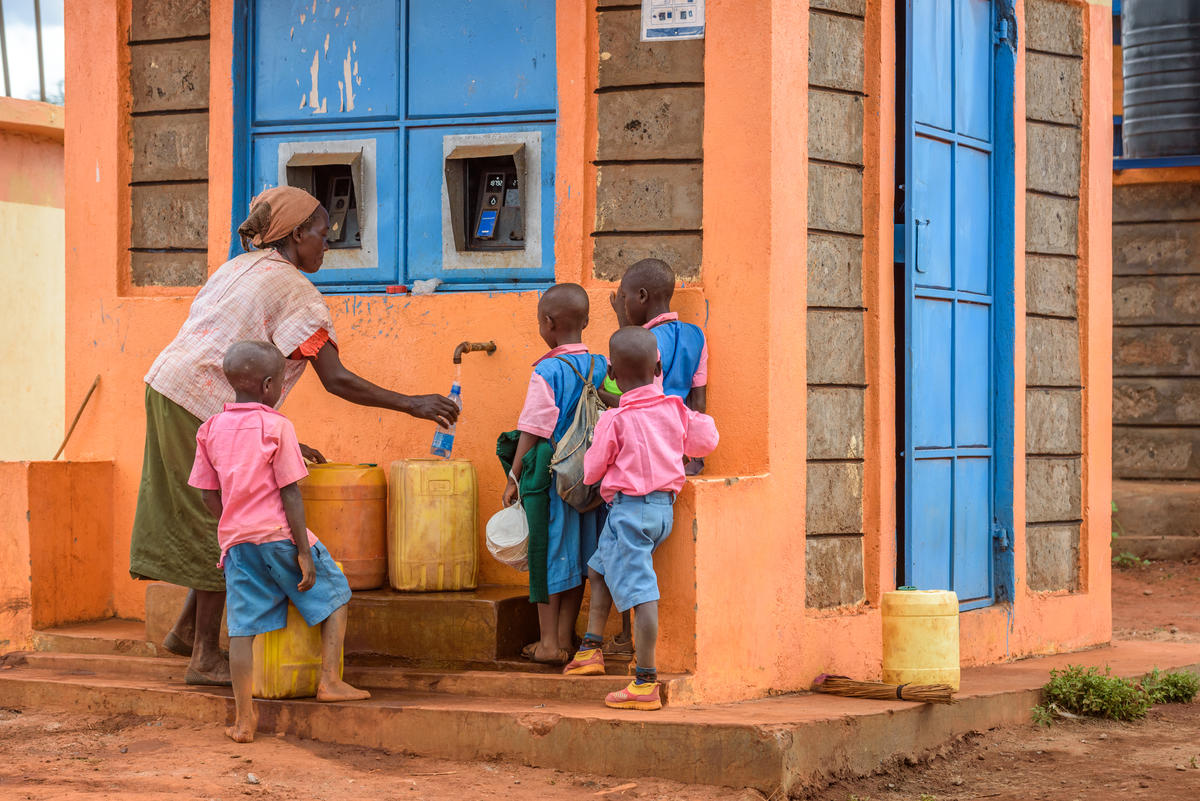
488	347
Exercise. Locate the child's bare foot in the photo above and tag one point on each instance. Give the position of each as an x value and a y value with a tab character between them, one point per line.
242	731
331	691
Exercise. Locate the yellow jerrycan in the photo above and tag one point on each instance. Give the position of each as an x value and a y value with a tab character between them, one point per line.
432	525
920	637
287	662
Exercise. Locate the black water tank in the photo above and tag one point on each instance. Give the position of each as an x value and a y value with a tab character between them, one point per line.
1160	41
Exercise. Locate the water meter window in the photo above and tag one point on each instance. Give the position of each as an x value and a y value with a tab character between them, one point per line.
340	175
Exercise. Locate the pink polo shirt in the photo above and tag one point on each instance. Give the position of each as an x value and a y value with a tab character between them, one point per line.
638	448
539	415
700	378
248	452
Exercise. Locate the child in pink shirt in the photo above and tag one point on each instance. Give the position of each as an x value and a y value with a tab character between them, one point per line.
637	456
247	464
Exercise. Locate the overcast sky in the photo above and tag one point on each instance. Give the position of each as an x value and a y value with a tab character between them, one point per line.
21	42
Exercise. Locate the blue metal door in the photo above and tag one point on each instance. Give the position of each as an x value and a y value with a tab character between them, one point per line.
949	362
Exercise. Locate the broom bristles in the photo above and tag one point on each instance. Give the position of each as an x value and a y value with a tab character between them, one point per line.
850	688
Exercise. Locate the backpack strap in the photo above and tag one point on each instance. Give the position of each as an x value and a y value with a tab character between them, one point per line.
575	370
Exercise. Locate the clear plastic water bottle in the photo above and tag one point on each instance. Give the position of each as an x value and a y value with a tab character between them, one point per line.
443	438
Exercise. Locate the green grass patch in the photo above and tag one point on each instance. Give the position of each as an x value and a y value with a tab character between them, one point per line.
1179	687
1079	691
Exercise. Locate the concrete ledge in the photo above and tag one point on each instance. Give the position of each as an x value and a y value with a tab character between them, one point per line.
788	742
32	117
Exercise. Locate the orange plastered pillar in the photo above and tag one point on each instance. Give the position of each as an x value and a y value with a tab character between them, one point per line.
749	528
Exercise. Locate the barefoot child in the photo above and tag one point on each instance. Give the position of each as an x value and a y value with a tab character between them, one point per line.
644	298
247	464
550	401
637	456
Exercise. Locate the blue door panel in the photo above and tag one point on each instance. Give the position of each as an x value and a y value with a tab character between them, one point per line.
932	46
972	528
933	481
933	168
325	62
423	194
972	220
973	68
972	375
930	354
950	368
490	57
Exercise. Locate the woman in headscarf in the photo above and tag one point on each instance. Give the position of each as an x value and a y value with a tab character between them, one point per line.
260	295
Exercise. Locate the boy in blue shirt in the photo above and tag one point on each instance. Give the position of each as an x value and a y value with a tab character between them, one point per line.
554	391
644	298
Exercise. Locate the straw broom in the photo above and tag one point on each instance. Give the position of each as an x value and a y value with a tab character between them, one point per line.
920	693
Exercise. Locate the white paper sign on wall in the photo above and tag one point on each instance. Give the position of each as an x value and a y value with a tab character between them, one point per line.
665	20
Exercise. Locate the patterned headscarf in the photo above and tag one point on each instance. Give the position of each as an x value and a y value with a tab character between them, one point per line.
274	214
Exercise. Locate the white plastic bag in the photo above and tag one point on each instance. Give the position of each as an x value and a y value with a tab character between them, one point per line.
508	537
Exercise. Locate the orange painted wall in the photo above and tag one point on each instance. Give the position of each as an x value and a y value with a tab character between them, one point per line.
70	541
732	574
16	606
55	546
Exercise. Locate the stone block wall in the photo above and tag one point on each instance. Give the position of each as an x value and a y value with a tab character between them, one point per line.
1054	390
836	347
1156	368
169	73
650	104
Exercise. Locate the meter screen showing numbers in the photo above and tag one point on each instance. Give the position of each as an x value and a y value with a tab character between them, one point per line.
495	182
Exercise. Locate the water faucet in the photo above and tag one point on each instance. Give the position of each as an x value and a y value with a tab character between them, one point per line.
488	347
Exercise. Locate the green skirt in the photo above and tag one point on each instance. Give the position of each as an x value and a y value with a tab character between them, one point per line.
174	534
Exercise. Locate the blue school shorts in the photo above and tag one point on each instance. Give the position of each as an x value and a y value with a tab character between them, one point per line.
261	579
636	526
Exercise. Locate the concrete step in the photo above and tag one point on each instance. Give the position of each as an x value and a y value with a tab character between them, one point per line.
1157	519
115	636
435	628
475	683
783	744
112	636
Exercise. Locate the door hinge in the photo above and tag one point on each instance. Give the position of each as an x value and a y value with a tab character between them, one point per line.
1001	535
1000	35
1006	26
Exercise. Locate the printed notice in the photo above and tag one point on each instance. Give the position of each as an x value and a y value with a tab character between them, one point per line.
672	19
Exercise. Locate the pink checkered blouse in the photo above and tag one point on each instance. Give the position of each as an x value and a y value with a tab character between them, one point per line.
257	295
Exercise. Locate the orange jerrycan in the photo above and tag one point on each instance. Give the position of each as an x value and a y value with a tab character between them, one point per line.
432	525
345	505
287	662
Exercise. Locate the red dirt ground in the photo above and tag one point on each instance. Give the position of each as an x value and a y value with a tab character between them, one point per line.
1087	760
56	756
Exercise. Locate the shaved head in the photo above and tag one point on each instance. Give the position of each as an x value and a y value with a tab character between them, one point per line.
248	364
566	304
652	275
634	351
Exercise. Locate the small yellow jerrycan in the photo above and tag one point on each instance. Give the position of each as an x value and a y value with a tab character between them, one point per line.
920	637
287	661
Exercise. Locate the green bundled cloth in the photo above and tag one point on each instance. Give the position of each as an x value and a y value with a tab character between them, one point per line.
534	487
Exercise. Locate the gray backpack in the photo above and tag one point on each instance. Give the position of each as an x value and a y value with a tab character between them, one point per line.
567	462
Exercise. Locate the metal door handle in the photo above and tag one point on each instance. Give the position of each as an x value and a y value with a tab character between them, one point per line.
917	244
